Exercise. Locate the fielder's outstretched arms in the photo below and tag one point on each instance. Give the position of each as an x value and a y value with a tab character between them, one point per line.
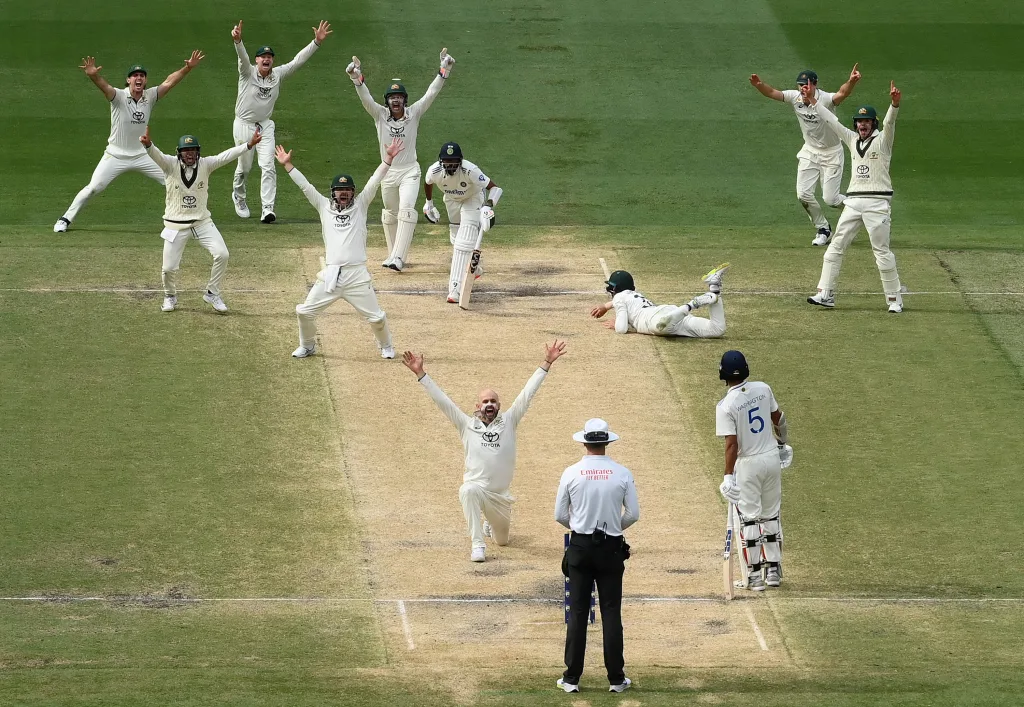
489	438
396	119
130	109
186	212
821	157
756	451
343	224
259	87
634	312
470	197
868	200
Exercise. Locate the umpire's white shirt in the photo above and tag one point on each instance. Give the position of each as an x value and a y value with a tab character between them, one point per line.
592	495
490	449
745	411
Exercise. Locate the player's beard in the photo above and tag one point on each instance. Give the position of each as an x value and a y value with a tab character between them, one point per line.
487	413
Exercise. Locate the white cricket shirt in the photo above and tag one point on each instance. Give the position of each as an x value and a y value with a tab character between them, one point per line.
745	411
344	232
597	493
404	129
467	182
258	94
816	136
633	310
869	159
188	190
490	449
128	121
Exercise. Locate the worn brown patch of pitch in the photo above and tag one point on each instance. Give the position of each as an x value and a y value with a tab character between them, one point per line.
404	462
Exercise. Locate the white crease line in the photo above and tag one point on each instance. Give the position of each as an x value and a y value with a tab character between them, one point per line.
757	629
58	599
604	268
405	625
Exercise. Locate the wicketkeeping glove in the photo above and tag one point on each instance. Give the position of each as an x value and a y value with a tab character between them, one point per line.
431	212
447	62
729	489
486	218
355	72
785	455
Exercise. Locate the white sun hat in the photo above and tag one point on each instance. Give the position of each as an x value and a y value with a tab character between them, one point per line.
595	432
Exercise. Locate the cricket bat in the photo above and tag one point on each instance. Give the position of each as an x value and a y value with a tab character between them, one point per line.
727	579
467	280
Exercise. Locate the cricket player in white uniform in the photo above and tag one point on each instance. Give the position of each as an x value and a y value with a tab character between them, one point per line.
489	437
868	200
259	87
187	214
470	197
343	223
130	109
756	452
821	157
636	313
397	120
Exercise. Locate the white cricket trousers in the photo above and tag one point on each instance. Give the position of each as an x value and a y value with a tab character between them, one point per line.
355	286
109	169
174	246
812	167
479	503
759	478
243	132
464	234
696	327
873	214
398	191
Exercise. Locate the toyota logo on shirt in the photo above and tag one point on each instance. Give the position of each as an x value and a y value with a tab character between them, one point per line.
863	169
188	201
138	117
490	439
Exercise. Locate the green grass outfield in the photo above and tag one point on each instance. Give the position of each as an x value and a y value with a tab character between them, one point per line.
146	458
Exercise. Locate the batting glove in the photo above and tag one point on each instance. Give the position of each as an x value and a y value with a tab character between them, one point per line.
447	62
486	218
729	489
431	212
785	455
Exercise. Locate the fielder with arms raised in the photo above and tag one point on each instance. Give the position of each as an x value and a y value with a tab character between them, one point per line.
259	87
397	120
755	432
130	109
489	437
343	222
868	200
470	197
821	157
187	214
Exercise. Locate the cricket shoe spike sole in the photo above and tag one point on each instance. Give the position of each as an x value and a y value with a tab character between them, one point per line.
714	277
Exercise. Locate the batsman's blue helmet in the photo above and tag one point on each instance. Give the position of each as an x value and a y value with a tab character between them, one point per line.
733	366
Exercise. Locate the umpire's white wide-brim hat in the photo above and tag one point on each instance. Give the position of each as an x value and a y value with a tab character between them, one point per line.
595	432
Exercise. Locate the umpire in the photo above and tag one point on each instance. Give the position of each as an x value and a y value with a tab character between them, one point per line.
590	502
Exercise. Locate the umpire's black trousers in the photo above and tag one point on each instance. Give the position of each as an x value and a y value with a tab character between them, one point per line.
586	561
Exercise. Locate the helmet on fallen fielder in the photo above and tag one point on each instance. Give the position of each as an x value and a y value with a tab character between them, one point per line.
619	281
733	366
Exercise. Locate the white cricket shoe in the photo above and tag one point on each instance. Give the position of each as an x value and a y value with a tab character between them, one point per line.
822	300
626	682
756	582
479	554
61	226
823	237
395	264
387	352
714	277
169	304
241	208
487	530
895	304
774	577
567	686
703	300
268	216
302	351
215	301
